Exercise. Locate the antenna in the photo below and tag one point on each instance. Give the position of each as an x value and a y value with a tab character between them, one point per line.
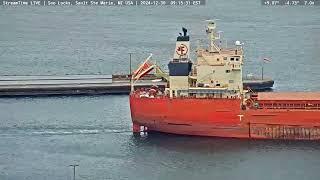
219	37
219	34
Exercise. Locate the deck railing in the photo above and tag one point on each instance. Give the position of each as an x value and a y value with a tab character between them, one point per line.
290	106
144	94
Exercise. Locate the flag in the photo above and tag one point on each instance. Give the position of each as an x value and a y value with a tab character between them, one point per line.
143	69
266	60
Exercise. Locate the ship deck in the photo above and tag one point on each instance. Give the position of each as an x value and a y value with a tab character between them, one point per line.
288	96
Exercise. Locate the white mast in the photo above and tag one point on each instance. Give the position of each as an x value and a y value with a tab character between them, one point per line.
212	36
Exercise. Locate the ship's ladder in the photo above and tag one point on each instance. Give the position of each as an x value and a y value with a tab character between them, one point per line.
252	101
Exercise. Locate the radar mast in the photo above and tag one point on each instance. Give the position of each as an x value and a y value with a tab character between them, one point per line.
212	34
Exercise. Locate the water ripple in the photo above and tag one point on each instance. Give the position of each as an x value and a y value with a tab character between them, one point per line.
60	131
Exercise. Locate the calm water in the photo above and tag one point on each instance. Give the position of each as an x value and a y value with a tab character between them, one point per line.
40	137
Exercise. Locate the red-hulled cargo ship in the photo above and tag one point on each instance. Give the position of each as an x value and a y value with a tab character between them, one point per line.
207	99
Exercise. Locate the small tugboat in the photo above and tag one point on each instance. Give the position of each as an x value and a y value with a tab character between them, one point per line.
207	98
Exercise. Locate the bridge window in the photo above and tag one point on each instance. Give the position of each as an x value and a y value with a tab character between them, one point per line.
231	59
237	59
227	71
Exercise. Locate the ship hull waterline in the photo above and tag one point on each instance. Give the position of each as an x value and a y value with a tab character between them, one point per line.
222	118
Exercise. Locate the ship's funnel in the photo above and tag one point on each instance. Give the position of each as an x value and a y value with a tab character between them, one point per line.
184	31
182	50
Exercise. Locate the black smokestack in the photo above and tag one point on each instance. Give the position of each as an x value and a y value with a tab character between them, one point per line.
184	31
185	37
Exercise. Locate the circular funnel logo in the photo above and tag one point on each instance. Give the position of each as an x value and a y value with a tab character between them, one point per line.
182	50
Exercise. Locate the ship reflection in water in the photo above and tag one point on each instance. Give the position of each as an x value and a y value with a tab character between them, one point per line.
217	145
190	157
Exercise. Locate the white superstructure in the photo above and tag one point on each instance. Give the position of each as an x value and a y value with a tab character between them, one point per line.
217	71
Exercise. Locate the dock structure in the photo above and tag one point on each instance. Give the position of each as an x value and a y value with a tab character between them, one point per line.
258	84
83	84
68	85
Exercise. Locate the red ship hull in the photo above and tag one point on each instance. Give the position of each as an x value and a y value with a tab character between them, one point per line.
222	118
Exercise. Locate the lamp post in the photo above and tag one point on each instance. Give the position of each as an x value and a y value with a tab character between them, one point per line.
130	69
262	70
130	64
265	60
74	170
